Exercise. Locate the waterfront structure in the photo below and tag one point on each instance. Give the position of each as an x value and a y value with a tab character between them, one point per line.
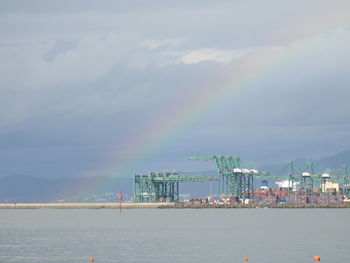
330	187
233	180
163	187
236	184
264	185
287	185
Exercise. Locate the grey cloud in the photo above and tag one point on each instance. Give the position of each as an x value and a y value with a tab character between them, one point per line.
78	79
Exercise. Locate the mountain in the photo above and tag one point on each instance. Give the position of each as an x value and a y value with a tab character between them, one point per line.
25	188
329	162
335	161
277	169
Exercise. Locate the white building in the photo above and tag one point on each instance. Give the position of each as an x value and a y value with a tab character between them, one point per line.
330	187
286	184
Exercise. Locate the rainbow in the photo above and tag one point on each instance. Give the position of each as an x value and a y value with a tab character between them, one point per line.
245	72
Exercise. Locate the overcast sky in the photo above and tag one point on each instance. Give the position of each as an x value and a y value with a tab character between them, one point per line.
86	86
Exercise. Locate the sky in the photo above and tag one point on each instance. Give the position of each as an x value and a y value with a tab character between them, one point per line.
91	88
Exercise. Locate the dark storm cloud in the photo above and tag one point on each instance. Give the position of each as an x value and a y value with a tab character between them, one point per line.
77	78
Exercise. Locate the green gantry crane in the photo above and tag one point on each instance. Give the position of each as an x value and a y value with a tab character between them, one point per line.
163	187
310	176
233	181
342	176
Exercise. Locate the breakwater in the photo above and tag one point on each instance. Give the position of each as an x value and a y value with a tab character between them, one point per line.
258	205
82	205
161	205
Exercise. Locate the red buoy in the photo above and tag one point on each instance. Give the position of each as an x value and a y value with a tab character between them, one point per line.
92	260
317	258
246	259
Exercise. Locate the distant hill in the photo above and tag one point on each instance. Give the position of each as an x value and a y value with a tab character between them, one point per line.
334	161
329	162
25	188
277	169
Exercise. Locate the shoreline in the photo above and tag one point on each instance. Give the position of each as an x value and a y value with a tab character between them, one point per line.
82	205
259	205
163	206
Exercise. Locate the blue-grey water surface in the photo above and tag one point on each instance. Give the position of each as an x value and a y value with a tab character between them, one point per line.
162	235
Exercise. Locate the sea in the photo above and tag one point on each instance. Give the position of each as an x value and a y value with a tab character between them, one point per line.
174	235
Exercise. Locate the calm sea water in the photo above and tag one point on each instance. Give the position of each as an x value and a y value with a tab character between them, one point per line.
160	235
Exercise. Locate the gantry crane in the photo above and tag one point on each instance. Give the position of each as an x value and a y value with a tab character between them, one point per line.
233	181
163	186
238	182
